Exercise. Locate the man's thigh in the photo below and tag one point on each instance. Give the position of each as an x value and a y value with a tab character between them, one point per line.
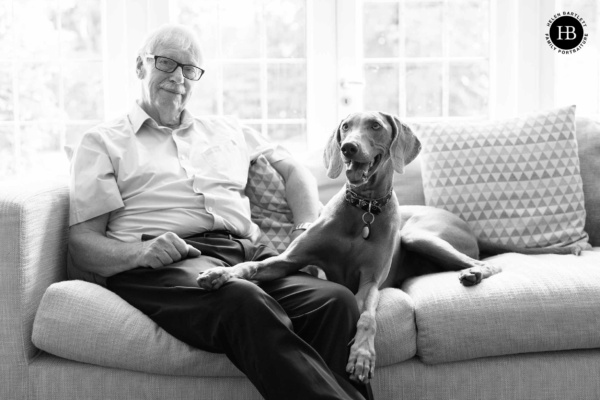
301	293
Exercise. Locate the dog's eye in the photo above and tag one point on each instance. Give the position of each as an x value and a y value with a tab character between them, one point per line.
375	126
344	126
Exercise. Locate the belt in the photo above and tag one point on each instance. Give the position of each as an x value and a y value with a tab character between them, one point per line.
218	234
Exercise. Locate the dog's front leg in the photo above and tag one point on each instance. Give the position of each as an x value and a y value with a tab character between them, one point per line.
361	363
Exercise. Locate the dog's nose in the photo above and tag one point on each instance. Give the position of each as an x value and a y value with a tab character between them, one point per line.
349	149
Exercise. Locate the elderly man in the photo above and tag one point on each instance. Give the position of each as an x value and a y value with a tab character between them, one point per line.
157	196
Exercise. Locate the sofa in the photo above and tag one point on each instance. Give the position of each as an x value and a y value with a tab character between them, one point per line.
529	332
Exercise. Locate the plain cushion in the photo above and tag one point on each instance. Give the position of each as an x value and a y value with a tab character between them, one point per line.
537	303
85	322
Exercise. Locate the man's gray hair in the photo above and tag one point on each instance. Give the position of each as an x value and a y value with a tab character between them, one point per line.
174	36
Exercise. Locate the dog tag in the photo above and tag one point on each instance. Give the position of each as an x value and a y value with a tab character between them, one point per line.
366	231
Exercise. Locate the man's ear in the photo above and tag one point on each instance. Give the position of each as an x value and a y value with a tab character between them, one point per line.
405	145
331	155
140	70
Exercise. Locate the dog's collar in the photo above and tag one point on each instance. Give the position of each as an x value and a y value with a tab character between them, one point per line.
373	206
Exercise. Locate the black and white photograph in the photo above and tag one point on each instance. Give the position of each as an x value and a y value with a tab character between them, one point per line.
300	199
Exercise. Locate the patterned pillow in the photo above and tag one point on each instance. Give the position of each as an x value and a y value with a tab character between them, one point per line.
268	205
515	181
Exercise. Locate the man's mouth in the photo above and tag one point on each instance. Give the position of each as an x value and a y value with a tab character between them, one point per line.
358	173
173	90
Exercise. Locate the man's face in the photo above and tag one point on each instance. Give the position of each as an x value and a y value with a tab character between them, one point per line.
164	91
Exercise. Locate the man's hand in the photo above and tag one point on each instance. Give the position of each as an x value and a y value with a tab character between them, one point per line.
214	278
166	249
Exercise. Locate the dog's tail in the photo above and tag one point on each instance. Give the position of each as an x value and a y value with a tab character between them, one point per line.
487	248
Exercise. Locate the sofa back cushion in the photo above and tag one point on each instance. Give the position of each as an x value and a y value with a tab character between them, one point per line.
588	141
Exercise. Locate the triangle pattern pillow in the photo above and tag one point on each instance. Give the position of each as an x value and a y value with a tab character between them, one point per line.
268	206
514	181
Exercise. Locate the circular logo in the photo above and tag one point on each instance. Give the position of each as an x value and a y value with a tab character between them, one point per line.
566	33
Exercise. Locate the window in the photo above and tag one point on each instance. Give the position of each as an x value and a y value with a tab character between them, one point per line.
436	69
257	63
577	76
51	79
289	68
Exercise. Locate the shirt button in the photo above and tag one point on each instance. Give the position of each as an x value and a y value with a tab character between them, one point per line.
209	209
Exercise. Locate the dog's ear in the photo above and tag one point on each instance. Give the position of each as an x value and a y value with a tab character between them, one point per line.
331	155
405	145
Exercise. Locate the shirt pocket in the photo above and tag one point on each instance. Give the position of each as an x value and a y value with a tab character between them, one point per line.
223	158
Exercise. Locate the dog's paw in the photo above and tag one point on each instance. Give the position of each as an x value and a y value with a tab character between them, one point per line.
361	364
470	276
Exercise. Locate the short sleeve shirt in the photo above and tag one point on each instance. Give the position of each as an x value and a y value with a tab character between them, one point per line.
153	179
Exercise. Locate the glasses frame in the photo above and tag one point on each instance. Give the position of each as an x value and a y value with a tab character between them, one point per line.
177	65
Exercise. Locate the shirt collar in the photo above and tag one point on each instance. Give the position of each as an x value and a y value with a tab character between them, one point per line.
137	118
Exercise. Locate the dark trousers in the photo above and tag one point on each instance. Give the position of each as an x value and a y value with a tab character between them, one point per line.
289	336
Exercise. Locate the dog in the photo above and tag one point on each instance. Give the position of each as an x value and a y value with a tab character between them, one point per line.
365	241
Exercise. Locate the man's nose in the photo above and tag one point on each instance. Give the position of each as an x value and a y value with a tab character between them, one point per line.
177	75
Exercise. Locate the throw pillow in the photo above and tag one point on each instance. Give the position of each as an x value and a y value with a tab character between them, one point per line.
268	205
515	181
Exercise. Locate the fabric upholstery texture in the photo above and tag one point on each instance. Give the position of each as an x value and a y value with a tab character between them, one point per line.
268	205
566	375
85	322
515	181
588	139
61	379
537	303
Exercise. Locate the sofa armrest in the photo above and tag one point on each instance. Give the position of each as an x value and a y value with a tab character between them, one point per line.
33	246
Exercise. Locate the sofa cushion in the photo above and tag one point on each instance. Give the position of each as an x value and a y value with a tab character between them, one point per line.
515	181
588	140
268	206
85	322
537	303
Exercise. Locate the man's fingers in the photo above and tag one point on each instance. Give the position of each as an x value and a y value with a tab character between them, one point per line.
193	252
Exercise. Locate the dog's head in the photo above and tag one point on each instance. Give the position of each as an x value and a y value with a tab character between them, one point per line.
365	141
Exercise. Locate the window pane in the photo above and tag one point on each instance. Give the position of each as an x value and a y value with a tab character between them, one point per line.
424	39
6	94
6	29
74	132
81	33
469	25
202	17
240	29
38	94
291	136
285	28
84	97
8	165
286	97
424	90
36	28
469	89
381	89
241	94
380	29
41	149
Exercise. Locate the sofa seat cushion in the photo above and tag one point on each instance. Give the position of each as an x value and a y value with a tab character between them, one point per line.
85	322
537	303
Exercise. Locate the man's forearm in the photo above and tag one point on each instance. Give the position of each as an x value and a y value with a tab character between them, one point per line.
300	191
93	252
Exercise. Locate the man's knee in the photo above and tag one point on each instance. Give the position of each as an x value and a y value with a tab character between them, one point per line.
243	299
339	298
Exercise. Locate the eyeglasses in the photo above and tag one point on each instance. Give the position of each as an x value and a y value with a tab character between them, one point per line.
166	64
